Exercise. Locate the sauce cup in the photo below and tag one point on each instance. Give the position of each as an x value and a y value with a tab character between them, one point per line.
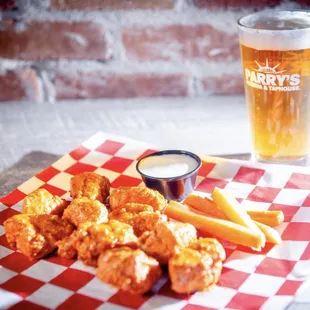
172	172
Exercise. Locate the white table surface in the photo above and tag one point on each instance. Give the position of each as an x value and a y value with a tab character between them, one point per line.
34	136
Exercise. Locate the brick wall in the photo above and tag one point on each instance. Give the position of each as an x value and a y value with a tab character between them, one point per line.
76	49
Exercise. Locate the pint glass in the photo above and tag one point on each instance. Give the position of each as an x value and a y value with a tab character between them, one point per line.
275	50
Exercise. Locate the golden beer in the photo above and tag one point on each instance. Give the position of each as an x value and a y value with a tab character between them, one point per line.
275	50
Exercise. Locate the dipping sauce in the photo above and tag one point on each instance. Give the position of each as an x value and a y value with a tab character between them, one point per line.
168	165
172	173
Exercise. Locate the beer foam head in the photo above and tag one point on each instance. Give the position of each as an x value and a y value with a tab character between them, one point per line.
276	30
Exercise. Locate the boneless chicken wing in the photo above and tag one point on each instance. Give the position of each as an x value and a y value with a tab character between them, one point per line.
67	246
83	210
91	239
41	201
133	208
53	228
36	235
196	267
136	194
141	217
23	236
130	270
167	239
90	185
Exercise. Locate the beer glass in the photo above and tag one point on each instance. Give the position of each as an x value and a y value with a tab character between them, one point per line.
275	51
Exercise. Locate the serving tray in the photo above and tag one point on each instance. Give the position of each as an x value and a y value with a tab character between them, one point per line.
270	279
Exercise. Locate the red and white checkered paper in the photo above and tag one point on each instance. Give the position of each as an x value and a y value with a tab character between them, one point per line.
250	280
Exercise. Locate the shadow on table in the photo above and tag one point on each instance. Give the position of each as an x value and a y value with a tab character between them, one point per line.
34	162
24	169
243	156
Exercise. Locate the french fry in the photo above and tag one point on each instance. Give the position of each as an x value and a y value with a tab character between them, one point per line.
208	206
270	218
205	205
228	204
220	228
271	234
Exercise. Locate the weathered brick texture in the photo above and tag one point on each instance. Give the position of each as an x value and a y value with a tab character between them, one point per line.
97	85
304	3
19	85
147	48
41	40
177	42
235	4
7	5
111	4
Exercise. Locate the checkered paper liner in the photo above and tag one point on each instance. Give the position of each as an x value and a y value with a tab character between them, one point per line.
250	280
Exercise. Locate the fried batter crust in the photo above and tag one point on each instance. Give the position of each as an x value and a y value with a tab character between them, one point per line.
91	239
197	267
41	201
136	194
130	270
67	246
166	239
36	235
90	185
53	228
83	210
140	216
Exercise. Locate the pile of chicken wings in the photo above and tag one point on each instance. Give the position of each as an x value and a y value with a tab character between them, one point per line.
124	233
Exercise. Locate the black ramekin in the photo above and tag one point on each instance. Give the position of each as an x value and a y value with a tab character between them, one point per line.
174	188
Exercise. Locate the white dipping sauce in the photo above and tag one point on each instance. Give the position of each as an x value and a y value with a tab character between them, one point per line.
167	165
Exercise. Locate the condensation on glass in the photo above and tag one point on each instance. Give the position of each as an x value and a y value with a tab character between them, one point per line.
275	50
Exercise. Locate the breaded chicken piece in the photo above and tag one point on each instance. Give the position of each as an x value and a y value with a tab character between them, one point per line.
36	235
141	217
129	270
167	239
197	267
76	215
67	246
83	210
91	239
23	236
53	228
90	185
136	194
41	201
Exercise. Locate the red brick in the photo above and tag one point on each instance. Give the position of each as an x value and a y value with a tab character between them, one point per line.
39	40
177	42
223	85
19	85
235	4
97	85
305	3
7	5
111	4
